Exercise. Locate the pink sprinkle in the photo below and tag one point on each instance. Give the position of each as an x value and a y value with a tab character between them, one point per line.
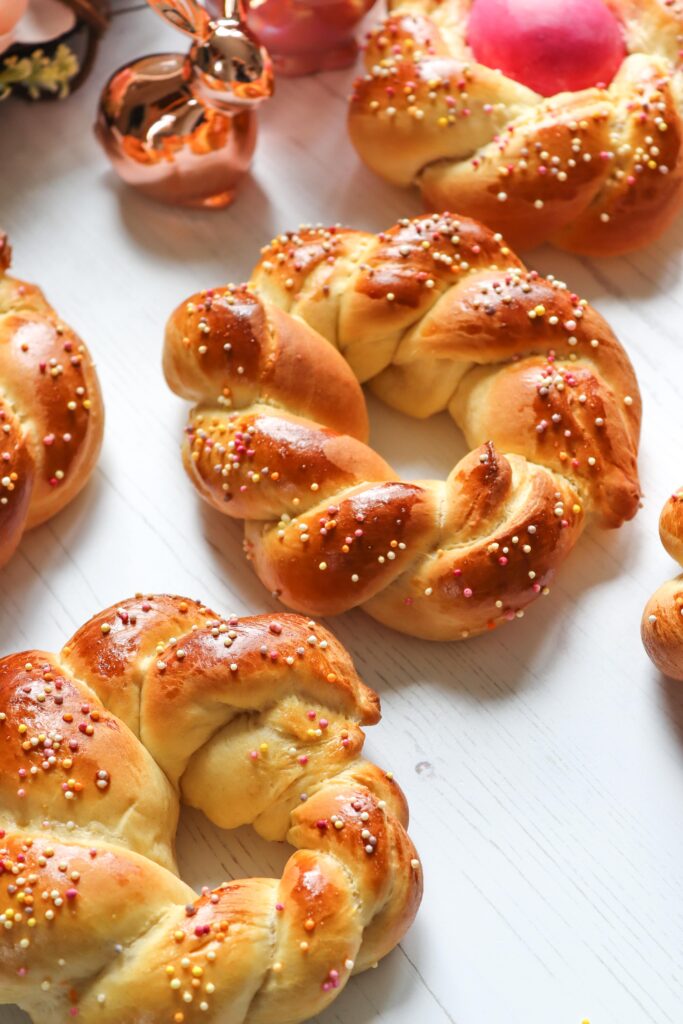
303	759
279	906
71	894
275	627
323	723
501	561
467	592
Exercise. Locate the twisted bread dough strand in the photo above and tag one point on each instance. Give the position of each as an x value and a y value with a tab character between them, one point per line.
329	524
598	171
439	313
252	720
51	413
662	622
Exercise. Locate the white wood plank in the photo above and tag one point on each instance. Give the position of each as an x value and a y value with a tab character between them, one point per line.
543	763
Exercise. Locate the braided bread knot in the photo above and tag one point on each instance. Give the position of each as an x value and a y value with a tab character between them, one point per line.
254	720
597	170
437	313
662	623
51	413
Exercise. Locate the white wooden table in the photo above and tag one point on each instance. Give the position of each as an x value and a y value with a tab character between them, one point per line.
544	762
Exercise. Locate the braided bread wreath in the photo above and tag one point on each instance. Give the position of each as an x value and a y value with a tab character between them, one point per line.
51	412
594	168
662	624
437	313
255	720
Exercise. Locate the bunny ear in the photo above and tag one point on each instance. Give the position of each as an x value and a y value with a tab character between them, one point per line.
187	15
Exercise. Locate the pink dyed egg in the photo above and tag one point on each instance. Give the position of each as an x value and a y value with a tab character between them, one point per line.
549	45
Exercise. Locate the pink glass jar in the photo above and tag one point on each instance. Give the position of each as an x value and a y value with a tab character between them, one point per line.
304	36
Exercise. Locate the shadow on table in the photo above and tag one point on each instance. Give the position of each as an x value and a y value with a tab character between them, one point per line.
672	693
225	538
182	234
491	667
49	547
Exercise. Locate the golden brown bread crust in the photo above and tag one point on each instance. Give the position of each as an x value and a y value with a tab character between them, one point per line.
252	356
253	720
51	413
437	313
598	171
662	622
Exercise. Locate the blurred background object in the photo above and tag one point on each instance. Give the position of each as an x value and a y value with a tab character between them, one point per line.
47	46
305	36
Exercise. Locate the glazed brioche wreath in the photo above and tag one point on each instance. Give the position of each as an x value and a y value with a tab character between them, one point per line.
51	410
662	623
253	720
437	313
577	140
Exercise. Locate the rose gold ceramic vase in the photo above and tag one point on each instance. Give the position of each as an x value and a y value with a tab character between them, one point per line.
304	36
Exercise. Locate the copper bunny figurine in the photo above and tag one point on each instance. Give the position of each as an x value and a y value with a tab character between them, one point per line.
182	128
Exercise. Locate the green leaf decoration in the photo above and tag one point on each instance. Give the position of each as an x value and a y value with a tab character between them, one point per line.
38	73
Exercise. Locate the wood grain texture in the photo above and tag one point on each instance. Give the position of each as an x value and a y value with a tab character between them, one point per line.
543	763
